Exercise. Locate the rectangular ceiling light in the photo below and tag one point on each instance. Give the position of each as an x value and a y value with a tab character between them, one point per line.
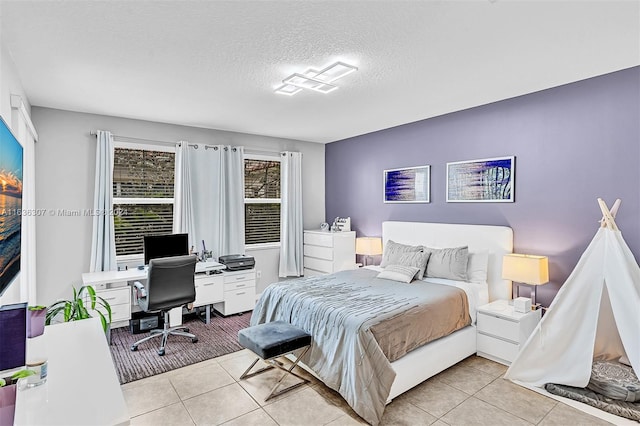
304	82
315	80
288	89
335	71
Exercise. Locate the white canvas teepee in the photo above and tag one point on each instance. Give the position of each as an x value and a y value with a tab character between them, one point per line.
595	315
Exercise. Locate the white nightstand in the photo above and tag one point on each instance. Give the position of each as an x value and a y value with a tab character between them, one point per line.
501	331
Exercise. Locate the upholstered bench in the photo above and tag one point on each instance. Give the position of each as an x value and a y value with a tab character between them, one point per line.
270	341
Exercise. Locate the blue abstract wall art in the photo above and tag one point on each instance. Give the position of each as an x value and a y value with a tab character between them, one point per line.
490	180
407	185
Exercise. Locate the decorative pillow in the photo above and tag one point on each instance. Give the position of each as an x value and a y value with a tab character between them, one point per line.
391	247
399	273
449	263
614	380
417	259
477	267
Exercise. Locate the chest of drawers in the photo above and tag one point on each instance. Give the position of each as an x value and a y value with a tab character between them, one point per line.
328	252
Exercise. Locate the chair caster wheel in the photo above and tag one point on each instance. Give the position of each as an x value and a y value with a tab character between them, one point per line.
194	340
134	348
161	352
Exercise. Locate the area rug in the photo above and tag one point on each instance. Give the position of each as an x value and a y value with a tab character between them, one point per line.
217	338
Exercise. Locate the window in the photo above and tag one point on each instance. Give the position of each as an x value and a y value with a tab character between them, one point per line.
142	195
261	199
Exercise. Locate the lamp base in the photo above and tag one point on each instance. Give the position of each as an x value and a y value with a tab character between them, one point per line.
532	294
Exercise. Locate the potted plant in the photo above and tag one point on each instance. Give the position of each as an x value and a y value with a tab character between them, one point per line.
8	395
81	306
36	316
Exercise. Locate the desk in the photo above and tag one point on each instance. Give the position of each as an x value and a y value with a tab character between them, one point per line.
229	292
82	387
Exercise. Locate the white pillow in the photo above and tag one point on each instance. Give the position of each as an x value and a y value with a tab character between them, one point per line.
418	259
399	273
477	267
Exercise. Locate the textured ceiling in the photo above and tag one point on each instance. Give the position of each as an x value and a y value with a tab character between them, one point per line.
215	64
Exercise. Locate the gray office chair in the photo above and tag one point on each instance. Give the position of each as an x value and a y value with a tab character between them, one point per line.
170	284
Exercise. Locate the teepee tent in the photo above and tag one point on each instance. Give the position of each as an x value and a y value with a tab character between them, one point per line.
595	315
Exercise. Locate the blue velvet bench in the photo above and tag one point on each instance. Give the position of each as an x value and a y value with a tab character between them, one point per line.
273	340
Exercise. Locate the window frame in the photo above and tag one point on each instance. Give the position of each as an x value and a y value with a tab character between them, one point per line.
264	157
125	258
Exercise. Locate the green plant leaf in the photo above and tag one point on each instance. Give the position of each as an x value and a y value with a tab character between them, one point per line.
37	308
22	373
3	382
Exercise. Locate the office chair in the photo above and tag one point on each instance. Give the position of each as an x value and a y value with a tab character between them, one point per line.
170	284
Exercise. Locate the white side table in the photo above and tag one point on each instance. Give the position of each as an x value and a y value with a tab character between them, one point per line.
501	331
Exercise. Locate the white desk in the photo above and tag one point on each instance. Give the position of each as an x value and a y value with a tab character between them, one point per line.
229	293
82	387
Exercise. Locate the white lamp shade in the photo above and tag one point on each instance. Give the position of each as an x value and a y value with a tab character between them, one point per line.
525	268
369	246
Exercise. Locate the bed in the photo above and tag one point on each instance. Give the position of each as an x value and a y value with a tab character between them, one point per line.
341	311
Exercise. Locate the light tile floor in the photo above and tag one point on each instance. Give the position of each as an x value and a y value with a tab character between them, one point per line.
209	393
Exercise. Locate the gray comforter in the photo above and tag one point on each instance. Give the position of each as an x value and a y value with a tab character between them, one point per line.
340	311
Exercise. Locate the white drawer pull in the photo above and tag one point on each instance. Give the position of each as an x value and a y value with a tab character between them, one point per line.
240	285
109	298
240	278
240	293
209	284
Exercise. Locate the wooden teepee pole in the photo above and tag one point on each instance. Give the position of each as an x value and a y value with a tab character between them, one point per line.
609	215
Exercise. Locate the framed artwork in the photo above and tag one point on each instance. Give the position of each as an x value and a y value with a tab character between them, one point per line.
489	180
407	185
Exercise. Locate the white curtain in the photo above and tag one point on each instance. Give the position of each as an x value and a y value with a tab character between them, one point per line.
217	182
103	246
183	222
291	231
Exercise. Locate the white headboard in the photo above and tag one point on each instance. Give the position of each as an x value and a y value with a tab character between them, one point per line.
497	240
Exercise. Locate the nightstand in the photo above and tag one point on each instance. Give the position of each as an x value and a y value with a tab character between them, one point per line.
501	331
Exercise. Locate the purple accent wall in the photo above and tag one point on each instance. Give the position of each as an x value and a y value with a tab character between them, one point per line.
572	143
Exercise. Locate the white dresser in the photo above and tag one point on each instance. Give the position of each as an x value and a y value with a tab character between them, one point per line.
502	331
327	252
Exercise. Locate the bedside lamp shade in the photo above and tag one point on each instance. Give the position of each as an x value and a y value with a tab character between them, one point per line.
526	269
369	246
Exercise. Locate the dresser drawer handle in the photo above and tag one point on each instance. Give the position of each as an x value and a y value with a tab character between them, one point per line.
208	284
241	293
241	278
109	298
240	285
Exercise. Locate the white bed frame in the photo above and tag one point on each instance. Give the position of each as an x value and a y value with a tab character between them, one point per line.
429	360
432	358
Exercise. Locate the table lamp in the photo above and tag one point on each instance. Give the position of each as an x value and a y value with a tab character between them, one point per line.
526	269
368	246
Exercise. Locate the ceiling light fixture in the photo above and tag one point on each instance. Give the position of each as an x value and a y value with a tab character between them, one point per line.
317	81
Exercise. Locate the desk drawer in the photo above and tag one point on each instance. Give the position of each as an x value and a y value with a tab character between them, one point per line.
318	252
241	285
318	239
208	291
241	300
239	276
115	296
120	312
497	326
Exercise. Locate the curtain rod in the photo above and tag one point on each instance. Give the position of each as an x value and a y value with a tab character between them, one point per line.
152	141
131	139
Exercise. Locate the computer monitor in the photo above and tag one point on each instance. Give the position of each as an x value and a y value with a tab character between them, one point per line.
156	246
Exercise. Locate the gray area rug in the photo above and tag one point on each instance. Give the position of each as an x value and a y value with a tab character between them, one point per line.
217	338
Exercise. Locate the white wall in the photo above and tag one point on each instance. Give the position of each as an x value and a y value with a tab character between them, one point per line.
65	161
10	85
